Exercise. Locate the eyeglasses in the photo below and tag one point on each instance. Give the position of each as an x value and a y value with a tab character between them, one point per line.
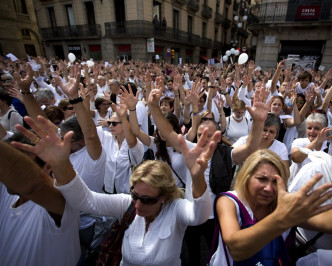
68	108
207	119
144	200
113	123
301	102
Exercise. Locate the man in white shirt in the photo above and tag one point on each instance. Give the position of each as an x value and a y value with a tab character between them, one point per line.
102	86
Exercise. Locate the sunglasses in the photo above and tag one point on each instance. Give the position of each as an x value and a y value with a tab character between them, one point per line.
113	123
301	102
207	119
68	108
144	200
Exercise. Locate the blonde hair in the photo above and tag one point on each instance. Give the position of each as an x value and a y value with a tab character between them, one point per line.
253	162
158	175
239	105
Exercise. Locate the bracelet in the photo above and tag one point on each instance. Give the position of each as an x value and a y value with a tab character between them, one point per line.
132	110
25	92
79	99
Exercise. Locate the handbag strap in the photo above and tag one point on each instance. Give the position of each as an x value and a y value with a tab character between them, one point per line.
183	184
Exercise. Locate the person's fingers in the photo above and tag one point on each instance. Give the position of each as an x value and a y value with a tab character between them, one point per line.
23	147
280	184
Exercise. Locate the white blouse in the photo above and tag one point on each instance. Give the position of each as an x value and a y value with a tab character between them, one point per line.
161	245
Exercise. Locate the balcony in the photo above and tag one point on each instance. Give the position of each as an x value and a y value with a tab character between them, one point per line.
288	12
146	29
193	5
243	33
218	19
206	11
216	45
72	32
181	2
226	23
228	2
23	17
205	42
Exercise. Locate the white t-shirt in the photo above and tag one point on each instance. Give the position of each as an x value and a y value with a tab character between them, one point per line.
117	165
30	237
91	171
302	143
15	118
161	245
235	130
142	117
277	147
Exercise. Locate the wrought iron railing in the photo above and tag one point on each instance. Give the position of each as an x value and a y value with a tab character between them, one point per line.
206	11
286	12
71	32
193	5
146	29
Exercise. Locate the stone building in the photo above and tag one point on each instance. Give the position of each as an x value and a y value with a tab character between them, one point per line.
300	30
19	33
195	30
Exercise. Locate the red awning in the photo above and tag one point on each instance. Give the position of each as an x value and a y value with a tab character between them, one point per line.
205	57
216	58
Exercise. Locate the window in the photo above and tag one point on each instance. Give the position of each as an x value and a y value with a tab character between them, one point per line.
175	19
26	34
204	30
224	37
215	34
90	13
157	10
30	49
51	15
20	6
190	24
70	15
226	12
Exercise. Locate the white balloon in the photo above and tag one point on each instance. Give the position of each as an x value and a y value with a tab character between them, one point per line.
90	63
232	51
236	18
228	53
225	58
242	58
237	52
71	57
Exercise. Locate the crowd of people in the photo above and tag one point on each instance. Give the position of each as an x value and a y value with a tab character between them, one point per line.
229	158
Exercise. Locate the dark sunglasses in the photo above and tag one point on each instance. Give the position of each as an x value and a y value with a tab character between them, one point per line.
113	123
144	200
301	102
207	119
68	108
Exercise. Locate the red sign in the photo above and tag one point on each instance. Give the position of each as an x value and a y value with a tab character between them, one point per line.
124	48
158	49
308	13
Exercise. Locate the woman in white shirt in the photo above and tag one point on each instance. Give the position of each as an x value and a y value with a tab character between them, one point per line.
156	233
237	125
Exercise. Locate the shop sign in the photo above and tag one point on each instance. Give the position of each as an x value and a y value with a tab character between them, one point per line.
308	13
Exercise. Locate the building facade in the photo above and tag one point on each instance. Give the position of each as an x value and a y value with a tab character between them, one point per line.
193	30
298	30
19	33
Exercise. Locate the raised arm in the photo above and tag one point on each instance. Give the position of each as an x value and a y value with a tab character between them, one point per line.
291	122
292	209
88	127
131	102
161	122
327	99
29	100
276	76
258	113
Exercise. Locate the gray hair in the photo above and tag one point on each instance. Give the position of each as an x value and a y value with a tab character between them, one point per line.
114	81
44	93
71	124
273	120
317	117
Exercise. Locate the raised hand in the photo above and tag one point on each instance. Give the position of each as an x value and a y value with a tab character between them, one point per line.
71	87
295	208
24	84
259	109
120	109
197	158
219	103
129	98
48	145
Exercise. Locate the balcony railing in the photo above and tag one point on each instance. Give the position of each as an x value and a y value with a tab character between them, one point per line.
205	42
286	12
193	5
206	11
23	17
218	19
226	23
216	45
181	2
72	32
146	29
